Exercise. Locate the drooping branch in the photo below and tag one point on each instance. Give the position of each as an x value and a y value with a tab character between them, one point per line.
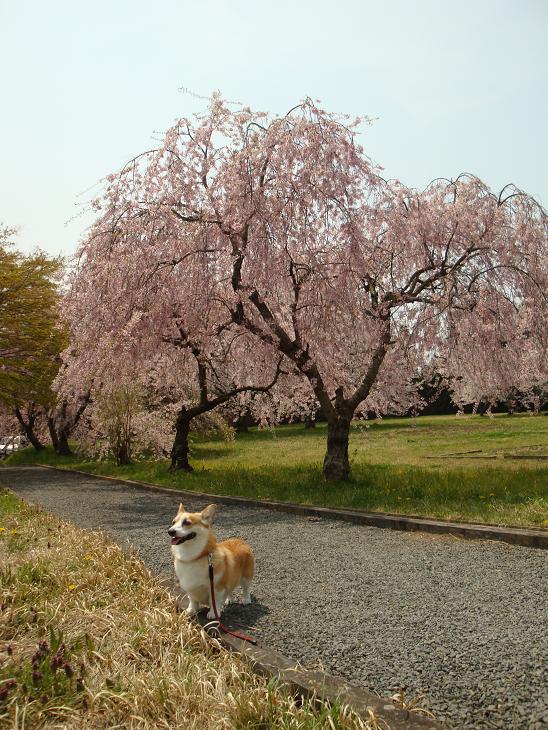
205	403
208	404
288	346
363	390
277	336
180	449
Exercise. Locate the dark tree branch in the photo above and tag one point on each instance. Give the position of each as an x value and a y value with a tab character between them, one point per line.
363	390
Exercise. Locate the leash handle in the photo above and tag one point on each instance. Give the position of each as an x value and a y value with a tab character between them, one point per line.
242	637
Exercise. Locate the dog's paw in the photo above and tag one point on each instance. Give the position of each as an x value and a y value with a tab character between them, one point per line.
211	615
246	601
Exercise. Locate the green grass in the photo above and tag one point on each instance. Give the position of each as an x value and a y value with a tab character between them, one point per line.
408	466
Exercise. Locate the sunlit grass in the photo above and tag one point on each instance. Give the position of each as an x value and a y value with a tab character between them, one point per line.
89	639
471	468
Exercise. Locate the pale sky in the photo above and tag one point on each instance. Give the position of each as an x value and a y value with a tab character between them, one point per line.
456	86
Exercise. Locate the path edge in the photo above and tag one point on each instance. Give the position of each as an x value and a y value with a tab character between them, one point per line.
314	683
526	537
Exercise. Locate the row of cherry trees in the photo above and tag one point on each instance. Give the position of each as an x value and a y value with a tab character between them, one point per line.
265	262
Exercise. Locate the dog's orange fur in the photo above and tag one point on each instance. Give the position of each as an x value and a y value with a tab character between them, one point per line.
235	561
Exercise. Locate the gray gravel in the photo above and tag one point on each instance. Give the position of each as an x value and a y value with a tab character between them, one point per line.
462	623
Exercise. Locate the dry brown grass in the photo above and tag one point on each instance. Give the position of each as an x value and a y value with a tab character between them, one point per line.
412	705
89	639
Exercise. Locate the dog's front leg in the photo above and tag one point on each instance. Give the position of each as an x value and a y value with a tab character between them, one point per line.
220	596
193	607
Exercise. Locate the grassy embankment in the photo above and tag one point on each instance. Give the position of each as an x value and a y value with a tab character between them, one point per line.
88	639
459	468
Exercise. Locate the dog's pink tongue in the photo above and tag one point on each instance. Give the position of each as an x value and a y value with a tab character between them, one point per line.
175	540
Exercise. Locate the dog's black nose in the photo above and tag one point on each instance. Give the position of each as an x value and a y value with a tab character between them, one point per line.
171	531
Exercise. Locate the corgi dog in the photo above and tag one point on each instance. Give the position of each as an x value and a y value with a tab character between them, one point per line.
192	540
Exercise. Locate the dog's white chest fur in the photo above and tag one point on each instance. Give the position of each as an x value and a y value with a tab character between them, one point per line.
193	578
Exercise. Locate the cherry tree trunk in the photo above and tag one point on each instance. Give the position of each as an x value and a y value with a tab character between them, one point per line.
33	438
335	463
483	408
28	428
63	448
53	434
122	453
180	449
59	438
241	423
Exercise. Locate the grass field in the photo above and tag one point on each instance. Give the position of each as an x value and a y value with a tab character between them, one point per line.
473	468
89	639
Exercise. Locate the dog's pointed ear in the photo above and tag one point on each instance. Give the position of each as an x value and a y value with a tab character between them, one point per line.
181	509
208	514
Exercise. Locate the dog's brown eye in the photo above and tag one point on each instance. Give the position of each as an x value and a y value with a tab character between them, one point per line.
186	522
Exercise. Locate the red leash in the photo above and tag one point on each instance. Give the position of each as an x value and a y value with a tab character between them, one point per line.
243	637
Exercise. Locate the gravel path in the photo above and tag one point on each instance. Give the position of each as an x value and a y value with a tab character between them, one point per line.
462	623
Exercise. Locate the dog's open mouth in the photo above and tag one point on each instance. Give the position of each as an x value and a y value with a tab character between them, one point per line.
179	540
